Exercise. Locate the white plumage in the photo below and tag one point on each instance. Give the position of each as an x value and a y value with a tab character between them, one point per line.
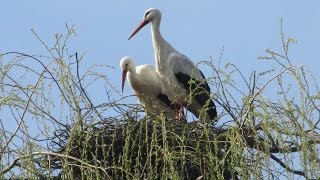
180	77
146	84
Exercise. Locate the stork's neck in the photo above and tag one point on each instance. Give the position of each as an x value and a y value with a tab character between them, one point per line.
162	48
132	71
132	77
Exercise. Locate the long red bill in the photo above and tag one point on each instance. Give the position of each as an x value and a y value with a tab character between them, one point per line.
142	23
124	74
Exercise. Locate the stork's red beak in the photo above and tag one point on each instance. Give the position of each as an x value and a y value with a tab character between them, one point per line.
142	23
124	74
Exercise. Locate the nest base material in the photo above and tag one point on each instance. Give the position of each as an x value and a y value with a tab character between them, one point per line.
145	149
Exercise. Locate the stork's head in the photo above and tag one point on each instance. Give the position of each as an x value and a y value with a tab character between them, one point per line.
126	64
151	15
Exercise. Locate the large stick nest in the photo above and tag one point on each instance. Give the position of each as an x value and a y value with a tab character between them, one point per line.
145	149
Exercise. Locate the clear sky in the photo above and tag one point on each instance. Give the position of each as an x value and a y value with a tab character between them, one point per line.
197	29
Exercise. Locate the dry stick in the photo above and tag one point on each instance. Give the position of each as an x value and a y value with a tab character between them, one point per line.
252	90
83	90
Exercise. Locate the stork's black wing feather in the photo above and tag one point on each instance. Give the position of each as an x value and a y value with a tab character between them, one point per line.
164	98
201	91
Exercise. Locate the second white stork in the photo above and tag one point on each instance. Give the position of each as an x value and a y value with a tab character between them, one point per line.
182	81
146	84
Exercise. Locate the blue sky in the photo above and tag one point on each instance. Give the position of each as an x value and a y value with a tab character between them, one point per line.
199	30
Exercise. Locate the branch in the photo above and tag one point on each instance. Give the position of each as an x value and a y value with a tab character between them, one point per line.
16	161
83	90
23	114
260	90
287	167
47	70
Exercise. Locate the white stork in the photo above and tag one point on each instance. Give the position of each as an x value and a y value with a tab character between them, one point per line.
146	84
182	81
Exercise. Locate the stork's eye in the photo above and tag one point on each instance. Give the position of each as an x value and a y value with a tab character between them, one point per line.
147	13
126	65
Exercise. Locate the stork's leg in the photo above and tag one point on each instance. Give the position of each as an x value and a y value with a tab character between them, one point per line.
181	109
177	112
